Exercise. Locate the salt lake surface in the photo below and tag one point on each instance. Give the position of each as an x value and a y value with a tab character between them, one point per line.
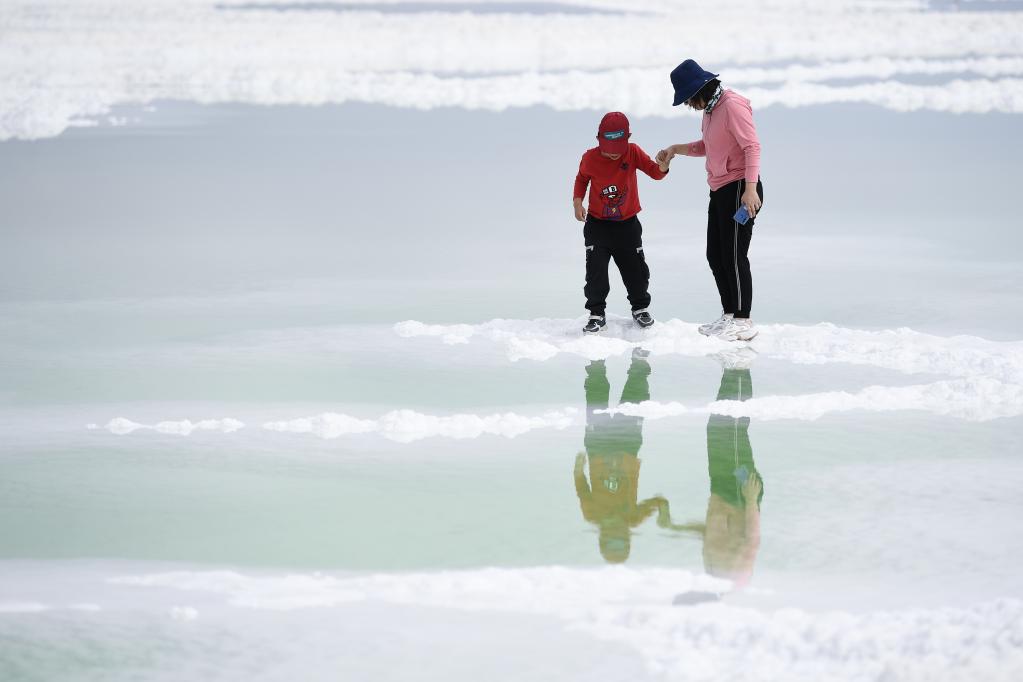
298	392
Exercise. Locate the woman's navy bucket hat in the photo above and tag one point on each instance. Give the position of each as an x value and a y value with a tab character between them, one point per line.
687	79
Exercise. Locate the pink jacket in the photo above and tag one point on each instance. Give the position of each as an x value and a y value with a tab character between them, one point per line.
729	142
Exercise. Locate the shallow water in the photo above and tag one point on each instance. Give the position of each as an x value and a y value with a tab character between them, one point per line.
388	492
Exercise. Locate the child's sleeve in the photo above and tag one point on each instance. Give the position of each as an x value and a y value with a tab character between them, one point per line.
696	148
582	180
647	165
582	488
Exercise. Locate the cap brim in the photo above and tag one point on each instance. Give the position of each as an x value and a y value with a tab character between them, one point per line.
619	146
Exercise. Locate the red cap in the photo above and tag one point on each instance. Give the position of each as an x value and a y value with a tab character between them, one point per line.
613	134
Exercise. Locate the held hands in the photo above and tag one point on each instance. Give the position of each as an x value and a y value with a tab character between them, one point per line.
664	157
580	212
663	512
751	200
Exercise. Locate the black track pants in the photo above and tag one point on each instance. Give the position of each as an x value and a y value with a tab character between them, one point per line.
621	240
728	246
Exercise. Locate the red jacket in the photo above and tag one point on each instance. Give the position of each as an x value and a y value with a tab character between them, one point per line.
613	191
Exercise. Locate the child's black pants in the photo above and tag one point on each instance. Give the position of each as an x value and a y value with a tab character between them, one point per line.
621	240
728	246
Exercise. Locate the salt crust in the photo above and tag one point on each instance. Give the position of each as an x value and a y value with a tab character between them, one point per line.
977	399
986	383
986	377
403	426
67	64
712	641
902	350
122	426
406	426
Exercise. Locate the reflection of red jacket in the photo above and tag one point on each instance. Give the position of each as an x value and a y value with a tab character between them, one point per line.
613	191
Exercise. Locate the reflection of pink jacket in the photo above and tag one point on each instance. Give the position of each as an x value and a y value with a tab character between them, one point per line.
729	142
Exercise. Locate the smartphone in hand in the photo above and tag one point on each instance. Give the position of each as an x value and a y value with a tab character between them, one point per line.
742	215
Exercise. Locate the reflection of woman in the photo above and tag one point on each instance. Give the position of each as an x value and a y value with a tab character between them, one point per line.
609	498
732	534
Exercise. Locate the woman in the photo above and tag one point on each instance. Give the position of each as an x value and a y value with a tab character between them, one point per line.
733	172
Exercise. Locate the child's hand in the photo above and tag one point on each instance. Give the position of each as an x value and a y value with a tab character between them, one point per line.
664	157
580	212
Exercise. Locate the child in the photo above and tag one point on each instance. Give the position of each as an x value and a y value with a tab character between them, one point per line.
612	229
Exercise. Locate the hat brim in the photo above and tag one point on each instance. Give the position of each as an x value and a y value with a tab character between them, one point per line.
679	98
619	146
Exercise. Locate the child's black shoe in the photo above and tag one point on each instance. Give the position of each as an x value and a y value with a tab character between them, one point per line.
595	324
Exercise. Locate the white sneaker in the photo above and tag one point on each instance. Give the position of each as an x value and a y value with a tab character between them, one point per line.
712	328
741	329
736	357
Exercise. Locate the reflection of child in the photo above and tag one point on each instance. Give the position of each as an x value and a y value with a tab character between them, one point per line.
609	498
612	227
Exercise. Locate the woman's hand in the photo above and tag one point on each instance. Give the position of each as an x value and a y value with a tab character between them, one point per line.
580	212
665	156
751	200
752	487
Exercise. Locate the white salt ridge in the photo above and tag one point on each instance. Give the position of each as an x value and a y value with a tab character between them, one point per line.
712	643
65	64
988	375
539	339
902	350
876	67
974	399
403	426
450	334
709	642
977	399
122	426
546	589
406	426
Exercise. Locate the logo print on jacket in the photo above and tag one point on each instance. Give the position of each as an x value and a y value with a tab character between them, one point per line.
613	198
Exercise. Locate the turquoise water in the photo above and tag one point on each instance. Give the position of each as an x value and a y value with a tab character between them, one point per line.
387	490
